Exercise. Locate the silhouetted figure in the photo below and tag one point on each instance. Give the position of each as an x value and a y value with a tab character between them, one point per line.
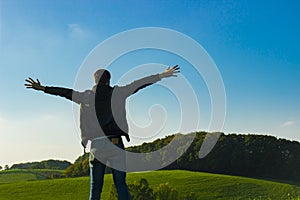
102	117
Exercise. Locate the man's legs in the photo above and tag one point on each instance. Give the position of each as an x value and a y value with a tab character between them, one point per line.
120	183
119	160
97	170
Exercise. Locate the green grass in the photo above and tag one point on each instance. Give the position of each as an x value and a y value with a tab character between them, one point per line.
206	186
15	175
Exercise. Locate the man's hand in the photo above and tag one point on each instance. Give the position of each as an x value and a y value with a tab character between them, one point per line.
170	72
34	85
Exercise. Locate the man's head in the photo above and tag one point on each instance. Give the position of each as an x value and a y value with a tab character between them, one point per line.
102	76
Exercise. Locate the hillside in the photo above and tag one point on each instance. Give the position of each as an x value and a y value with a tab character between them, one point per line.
206	186
46	164
15	175
259	156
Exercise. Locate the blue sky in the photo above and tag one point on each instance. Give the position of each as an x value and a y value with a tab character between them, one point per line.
254	45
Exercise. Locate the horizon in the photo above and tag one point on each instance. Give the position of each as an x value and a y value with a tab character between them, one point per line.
135	145
254	46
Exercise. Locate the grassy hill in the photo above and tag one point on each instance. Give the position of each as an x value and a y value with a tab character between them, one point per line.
15	175
204	185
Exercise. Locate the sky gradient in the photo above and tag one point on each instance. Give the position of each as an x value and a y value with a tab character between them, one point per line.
254	45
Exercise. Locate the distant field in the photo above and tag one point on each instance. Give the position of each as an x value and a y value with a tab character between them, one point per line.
206	186
7	176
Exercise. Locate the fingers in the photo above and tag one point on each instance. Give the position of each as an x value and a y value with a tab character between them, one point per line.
30	83
31	80
175	69
38	81
170	72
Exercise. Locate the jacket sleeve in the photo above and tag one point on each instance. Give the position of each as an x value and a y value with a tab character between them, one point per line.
141	83
72	95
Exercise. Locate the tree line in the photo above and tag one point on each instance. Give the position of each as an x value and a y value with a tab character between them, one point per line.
258	156
46	164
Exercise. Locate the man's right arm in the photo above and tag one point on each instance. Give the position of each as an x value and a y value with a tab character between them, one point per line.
59	91
67	93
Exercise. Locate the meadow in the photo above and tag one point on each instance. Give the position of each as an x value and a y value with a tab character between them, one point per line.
19	184
16	175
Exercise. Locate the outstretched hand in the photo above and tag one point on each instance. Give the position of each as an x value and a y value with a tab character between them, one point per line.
170	72
34	84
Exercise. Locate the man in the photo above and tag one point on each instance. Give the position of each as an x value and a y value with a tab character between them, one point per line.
103	115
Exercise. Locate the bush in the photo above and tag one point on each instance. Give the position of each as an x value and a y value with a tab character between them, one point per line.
141	191
79	168
165	192
137	191
54	175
